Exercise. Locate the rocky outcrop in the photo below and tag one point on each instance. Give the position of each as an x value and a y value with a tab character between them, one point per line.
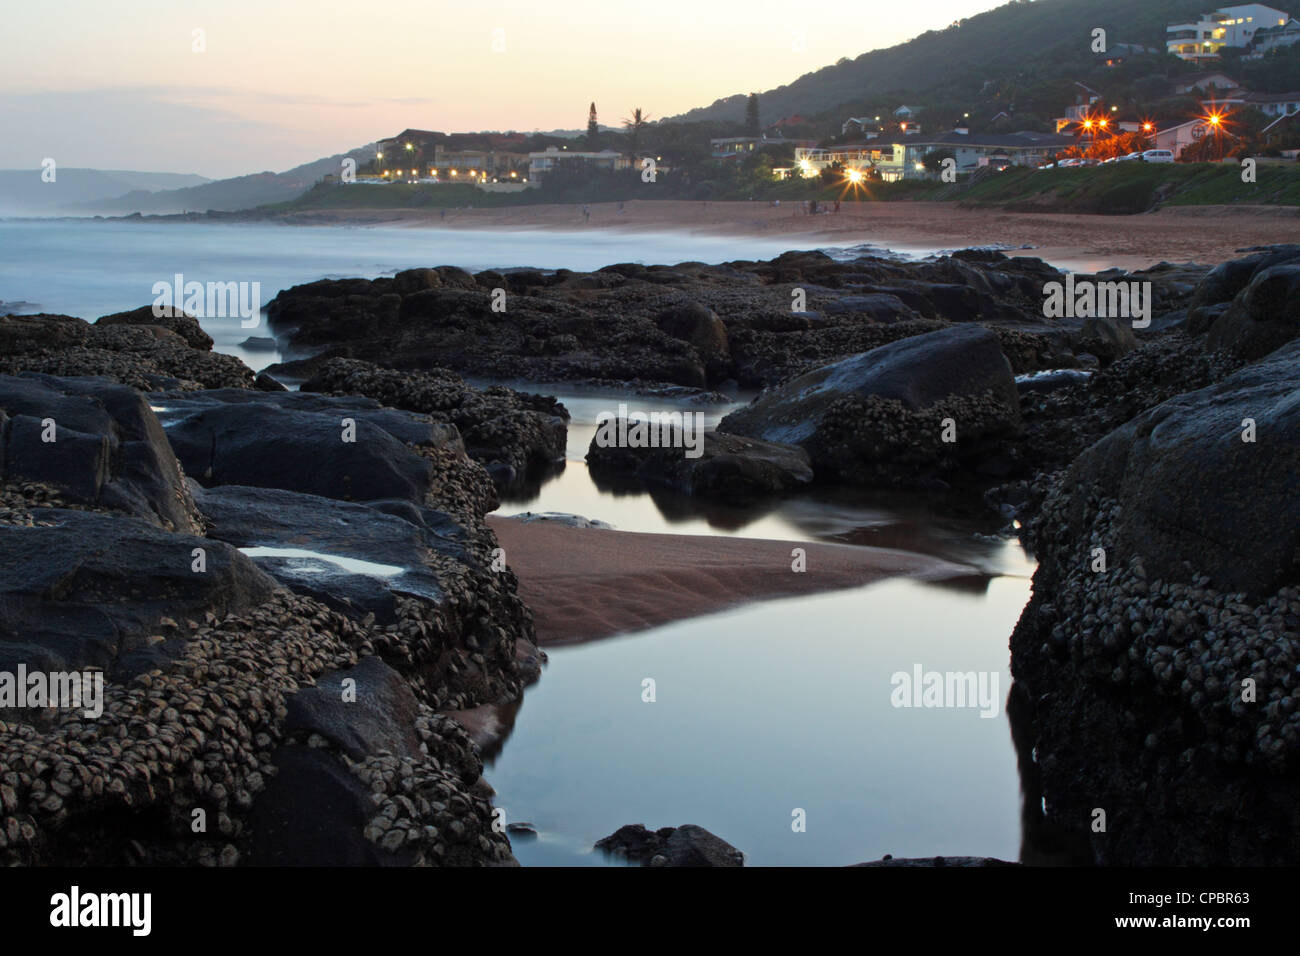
919	408
1161	646
728	467
97	442
670	846
690	325
272	674
174	320
143	355
515	435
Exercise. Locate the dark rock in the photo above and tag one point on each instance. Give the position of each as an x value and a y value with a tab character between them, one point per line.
266	383
323	528
1196	495
297	442
109	449
878	416
515	432
313	813
670	846
376	712
91	588
731	467
143	356
176	320
1263	316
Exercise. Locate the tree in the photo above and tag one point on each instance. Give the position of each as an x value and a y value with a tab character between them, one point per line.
752	127
634	126
933	160
593	128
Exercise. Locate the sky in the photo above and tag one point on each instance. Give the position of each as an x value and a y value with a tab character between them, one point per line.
270	84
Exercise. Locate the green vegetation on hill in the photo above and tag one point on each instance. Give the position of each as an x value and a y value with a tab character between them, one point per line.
999	43
1125	188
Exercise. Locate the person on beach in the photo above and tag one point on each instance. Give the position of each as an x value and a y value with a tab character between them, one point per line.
586	212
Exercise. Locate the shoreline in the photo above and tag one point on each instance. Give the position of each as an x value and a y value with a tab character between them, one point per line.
1205	235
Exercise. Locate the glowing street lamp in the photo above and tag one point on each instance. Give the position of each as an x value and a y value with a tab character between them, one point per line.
854	176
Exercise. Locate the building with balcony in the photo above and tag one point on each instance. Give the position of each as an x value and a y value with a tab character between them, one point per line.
1206	37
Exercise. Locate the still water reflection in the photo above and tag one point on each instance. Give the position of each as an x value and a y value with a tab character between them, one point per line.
777	706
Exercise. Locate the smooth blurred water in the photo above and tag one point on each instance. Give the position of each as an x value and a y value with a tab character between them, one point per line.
776	706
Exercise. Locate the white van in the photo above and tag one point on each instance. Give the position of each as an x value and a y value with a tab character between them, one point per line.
1158	156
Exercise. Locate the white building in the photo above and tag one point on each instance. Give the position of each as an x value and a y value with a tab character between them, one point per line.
1275	37
1235	26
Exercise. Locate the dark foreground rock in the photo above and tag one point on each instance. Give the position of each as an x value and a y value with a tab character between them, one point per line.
98	441
276	631
670	846
918	408
1161	647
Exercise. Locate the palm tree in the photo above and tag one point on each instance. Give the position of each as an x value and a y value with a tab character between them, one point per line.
634	125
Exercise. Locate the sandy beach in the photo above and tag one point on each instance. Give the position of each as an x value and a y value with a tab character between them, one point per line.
1204	234
614	582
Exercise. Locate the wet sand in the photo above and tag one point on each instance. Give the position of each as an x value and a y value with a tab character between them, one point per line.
587	583
1204	234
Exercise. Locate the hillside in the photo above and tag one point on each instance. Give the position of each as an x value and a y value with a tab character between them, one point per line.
225	195
989	45
24	193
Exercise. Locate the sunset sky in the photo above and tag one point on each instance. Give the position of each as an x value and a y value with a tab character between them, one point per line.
118	86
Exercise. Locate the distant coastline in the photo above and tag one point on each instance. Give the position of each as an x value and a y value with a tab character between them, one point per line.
1204	234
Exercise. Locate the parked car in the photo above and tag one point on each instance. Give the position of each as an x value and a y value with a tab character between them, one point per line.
1130	157
1158	156
1065	163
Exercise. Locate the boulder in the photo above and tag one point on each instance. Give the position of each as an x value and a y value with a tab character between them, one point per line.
1196	496
731	467
1263	316
109	450
352	557
699	327
688	845
176	320
1105	338
375	712
879	415
90	589
301	443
